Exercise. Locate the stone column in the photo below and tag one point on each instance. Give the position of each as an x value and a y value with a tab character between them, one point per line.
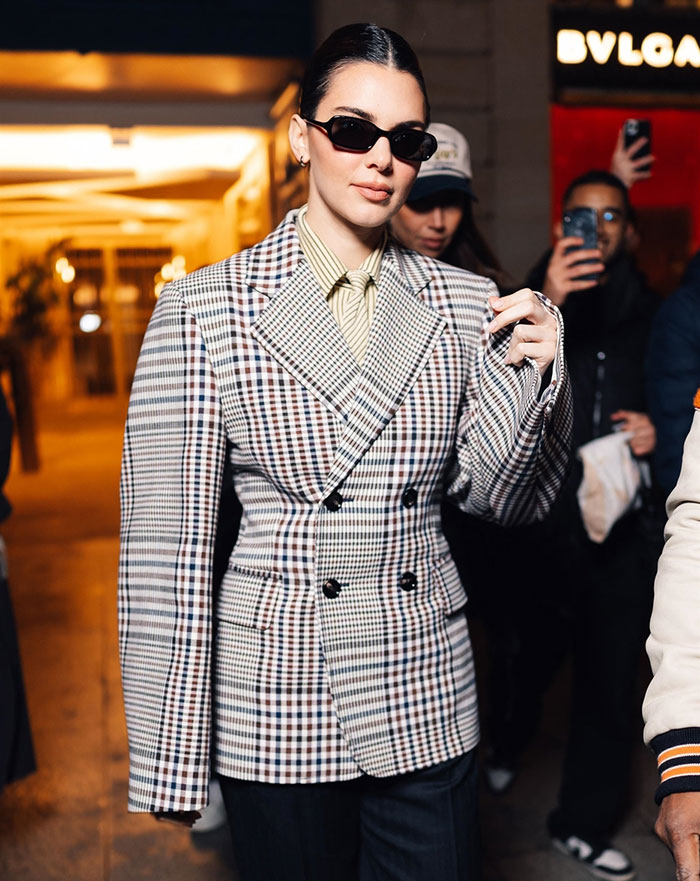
520	122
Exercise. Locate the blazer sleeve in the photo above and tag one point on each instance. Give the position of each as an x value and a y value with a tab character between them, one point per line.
172	465
671	707
513	437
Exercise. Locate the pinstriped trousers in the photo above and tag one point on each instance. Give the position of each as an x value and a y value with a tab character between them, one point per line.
420	826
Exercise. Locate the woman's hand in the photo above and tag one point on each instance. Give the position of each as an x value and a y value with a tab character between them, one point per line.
535	332
643	438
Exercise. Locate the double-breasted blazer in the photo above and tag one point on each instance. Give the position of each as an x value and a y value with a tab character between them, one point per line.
341	644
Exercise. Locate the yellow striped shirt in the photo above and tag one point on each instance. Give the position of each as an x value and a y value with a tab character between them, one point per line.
330	271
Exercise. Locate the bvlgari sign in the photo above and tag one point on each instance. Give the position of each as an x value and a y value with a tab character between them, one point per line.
656	49
626	50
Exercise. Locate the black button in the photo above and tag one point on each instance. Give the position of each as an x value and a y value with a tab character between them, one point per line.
334	501
408	581
409	497
331	588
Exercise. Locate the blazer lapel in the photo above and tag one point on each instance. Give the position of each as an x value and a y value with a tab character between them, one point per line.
403	334
298	329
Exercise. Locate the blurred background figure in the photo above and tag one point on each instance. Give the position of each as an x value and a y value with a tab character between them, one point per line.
673	373
597	603
438	218
16	749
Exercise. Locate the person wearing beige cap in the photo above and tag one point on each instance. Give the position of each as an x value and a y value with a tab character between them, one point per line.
438	220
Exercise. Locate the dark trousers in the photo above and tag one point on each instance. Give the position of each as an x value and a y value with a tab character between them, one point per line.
592	601
419	826
613	593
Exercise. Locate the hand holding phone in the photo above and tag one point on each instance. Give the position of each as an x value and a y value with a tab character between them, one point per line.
634	131
582	223
632	158
575	264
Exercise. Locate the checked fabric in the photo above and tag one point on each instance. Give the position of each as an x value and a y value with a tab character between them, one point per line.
245	359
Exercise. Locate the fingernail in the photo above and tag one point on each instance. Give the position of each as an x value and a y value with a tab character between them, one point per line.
508	361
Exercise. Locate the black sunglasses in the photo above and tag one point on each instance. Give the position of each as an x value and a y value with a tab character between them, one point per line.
353	133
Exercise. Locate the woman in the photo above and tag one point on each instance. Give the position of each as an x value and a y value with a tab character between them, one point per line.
438	219
344	703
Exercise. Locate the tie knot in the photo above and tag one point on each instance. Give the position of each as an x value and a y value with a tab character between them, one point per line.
358	279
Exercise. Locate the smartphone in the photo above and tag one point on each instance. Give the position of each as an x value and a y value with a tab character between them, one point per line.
583	223
638	128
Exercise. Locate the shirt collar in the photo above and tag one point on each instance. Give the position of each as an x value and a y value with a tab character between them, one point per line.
325	265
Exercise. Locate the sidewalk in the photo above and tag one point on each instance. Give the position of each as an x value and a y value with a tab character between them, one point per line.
69	822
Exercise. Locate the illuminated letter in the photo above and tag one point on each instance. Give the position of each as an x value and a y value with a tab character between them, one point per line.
601	47
688	52
657	50
571	47
628	55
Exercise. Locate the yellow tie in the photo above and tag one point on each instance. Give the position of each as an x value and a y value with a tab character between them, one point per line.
353	317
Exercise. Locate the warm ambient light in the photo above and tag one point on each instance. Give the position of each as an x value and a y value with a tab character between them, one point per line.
149	150
90	322
655	50
85	295
176	268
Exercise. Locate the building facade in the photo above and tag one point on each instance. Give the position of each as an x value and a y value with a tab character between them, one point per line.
151	139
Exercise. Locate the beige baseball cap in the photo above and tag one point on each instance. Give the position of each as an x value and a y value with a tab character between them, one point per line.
449	168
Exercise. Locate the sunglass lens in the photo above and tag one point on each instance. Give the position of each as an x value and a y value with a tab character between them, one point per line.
413	144
407	143
352	133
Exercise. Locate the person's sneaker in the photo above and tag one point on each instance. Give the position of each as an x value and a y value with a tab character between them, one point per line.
500	776
214	815
602	861
499	780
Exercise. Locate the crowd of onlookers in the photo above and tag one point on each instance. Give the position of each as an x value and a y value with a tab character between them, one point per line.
634	365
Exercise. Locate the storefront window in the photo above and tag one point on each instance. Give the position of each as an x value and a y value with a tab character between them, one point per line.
629	60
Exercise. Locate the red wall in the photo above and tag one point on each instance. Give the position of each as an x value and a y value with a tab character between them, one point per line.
584	137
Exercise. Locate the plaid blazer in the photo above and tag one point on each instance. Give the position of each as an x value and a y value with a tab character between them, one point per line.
341	644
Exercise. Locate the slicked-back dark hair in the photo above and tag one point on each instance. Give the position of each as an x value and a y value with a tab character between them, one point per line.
350	44
598	176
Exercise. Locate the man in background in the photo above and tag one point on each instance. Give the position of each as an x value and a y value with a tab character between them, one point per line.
595	595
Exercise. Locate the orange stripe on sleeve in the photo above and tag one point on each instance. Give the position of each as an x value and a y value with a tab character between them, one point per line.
675	752
680	771
696	400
